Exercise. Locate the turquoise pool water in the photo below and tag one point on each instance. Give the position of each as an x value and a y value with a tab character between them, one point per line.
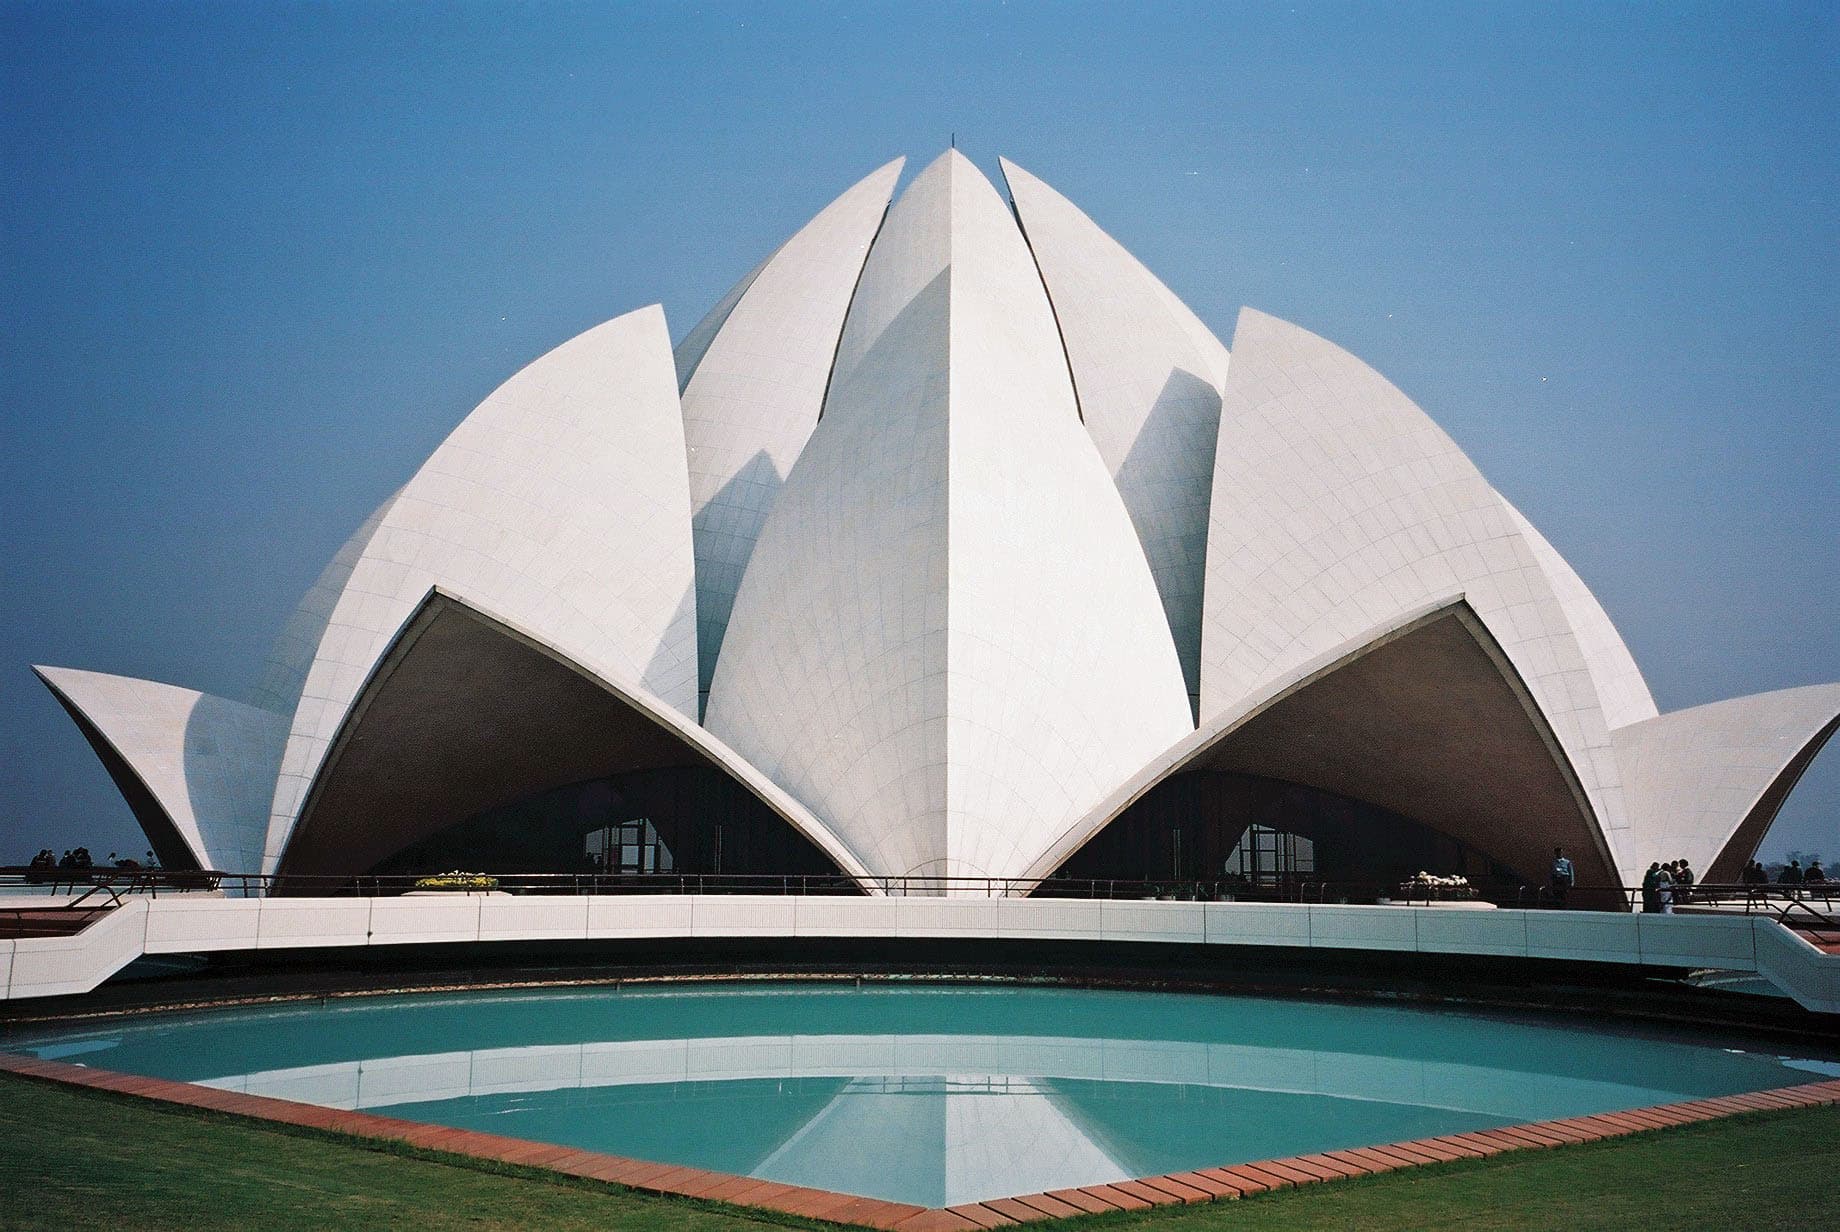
928	1094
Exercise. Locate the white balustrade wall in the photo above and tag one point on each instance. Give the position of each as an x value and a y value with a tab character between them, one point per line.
184	924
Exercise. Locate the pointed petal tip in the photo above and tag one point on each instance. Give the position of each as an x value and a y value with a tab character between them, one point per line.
951	159
59	678
1013	173
655	309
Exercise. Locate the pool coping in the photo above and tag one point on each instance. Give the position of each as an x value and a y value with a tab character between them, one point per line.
1172	1189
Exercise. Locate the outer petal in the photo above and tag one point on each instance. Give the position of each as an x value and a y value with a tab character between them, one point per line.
688	354
291	657
466	712
196	769
1705	783
753	376
1423	715
1337	505
561	501
948	643
1148	376
1620	687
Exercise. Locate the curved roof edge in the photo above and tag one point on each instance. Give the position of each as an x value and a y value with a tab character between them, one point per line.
1621	690
1705	783
901	646
195	769
661	718
1579	824
1337	502
688	354
562	497
754	392
1147	375
291	655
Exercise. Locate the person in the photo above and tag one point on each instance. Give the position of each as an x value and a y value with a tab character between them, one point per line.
1562	876
80	858
1756	882
43	866
1664	890
1683	882
1651	888
1815	872
1791	875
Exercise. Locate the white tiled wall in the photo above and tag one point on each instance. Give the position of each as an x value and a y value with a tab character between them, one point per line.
1338	504
209	761
752	390
1694	775
1148	374
948	642
561	504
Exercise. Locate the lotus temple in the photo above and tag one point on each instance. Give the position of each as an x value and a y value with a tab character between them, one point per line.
953	743
949	548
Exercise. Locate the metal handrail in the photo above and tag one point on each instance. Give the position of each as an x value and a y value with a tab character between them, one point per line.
104	880
115	884
1823	920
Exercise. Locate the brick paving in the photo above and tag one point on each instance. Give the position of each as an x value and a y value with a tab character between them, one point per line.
1199	1185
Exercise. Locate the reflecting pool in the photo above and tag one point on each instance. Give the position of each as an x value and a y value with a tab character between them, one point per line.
932	1094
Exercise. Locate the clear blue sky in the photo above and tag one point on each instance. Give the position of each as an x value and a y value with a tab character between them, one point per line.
259	258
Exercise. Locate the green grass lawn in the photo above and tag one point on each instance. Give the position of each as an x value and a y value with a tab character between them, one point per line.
86	1159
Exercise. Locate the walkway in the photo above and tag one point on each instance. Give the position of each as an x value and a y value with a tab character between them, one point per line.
61	965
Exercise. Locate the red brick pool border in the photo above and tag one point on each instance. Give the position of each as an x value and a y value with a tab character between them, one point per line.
1177	1188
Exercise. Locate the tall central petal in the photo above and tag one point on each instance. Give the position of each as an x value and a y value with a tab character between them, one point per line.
948	642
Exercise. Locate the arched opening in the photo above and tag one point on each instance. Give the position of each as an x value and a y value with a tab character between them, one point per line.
674	822
1235	833
1418	747
475	746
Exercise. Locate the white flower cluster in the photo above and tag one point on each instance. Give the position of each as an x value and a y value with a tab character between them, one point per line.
1456	881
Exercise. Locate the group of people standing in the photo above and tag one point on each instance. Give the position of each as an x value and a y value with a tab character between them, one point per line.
46	867
1671	883
1665	885
1792	873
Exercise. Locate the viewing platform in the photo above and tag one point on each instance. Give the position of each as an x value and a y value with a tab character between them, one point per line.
114	929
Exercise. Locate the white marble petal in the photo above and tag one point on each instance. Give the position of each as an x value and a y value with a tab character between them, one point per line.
1703	784
1620	687
562	502
1148	375
948	643
1338	503
291	657
688	353
754	375
208	763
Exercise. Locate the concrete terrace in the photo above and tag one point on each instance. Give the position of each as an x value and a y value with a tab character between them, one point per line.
49	966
